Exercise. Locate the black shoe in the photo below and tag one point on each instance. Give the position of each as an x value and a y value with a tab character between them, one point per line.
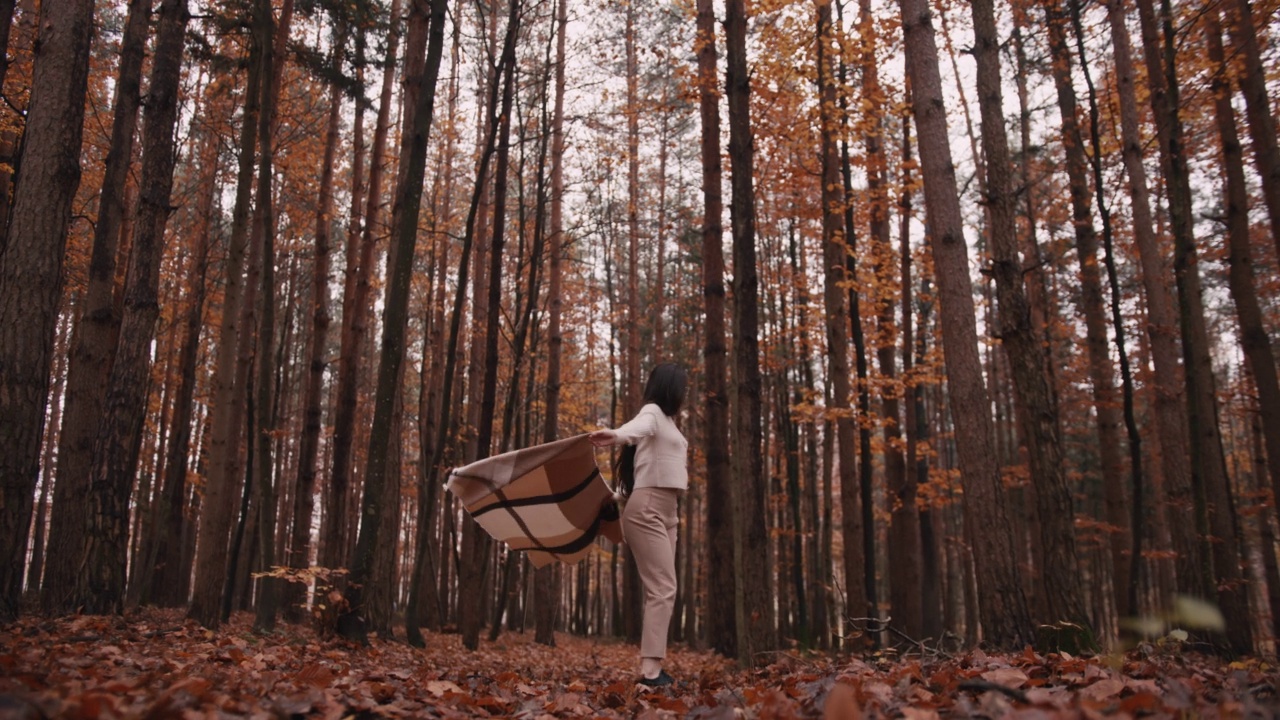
662	680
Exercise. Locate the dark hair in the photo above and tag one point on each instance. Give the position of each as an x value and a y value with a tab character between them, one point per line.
624	469
666	387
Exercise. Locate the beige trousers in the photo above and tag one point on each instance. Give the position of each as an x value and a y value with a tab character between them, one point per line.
649	525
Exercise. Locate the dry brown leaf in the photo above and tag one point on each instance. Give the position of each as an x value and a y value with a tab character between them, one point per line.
1102	689
1008	677
841	704
440	687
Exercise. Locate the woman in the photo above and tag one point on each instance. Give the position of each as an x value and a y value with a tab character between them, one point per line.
651	470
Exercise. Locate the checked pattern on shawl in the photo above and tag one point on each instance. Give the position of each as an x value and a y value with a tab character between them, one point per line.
548	500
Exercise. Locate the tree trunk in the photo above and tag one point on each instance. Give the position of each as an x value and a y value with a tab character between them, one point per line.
917	428
100	588
1106	409
475	542
1262	124
1253	332
229	379
754	614
1220	565
721	624
447	427
48	462
268	595
1042	431
334	541
632	381
547	579
166	584
1131	569
904	527
96	330
382	591
834	254
1162	324
790	396
299	551
405	214
427	578
1003	606
31	275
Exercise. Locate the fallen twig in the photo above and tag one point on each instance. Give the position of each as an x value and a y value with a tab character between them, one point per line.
983	686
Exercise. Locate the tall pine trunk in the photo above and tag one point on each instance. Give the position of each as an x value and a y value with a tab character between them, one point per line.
225	429
447	428
475	542
547	579
1254	340
299	548
265	492
96	330
834	255
167	583
1253	332
1101	372
100	588
719	610
754	614
1042	431
1132	570
1002	606
405	212
1162	323
904	526
1262	124
31	270
1219	564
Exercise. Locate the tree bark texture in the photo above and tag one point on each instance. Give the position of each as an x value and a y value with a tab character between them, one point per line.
835	252
755	615
101	584
1101	374
1002	606
1170	409
1220	564
547	579
31	270
1254	339
169	584
395	314
225	428
721	625
96	330
1042	433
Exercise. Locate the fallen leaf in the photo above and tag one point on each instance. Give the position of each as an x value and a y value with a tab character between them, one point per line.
841	704
440	687
1008	677
1141	703
1102	689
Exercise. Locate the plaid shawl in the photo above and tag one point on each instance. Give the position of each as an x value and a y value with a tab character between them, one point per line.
548	500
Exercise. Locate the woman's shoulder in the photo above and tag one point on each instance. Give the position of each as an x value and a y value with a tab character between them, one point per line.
652	409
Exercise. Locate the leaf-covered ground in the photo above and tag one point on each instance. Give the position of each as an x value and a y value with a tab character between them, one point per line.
156	665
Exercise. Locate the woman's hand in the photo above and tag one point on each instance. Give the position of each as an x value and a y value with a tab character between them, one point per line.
602	438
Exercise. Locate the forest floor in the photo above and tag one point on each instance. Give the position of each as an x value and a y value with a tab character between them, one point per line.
154	664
